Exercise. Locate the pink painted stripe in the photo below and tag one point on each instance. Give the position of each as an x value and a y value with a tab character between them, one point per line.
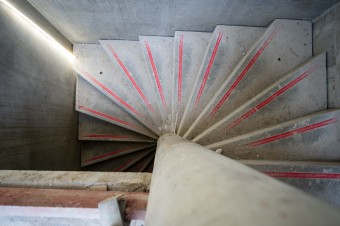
122	166
272	97
302	175
107	154
155	72
132	80
244	72
292	132
107	116
180	70
207	71
113	136
93	79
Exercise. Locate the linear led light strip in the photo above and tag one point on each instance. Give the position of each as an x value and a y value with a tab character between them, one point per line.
54	43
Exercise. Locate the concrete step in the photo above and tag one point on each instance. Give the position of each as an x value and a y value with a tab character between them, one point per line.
158	55
128	59
94	129
141	165
319	179
97	151
303	91
311	138
120	163
189	51
285	45
93	64
227	46
92	102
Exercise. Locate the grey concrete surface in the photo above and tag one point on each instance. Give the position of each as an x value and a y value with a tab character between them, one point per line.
127	182
38	126
326	38
87	21
194	186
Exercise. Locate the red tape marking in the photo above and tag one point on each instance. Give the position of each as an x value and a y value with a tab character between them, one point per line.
122	166
302	175
180	70
93	79
155	72
271	98
292	132
134	83
107	154
244	72
207	71
107	116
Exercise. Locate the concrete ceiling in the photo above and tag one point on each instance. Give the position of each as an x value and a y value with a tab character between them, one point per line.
86	21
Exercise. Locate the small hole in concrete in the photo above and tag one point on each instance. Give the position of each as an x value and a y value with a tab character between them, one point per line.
304	44
279	59
101	72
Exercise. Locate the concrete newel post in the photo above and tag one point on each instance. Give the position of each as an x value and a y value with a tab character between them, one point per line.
194	186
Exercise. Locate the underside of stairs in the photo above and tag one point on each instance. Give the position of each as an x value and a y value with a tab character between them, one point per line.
254	94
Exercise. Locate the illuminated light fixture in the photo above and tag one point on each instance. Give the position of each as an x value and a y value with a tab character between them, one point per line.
53	42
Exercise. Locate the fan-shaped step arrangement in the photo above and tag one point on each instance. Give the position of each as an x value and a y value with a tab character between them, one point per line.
300	92
317	178
255	93
284	45
120	163
314	137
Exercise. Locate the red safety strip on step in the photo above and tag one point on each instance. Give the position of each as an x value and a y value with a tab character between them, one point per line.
107	116
93	79
207	71
292	132
302	175
155	72
104	136
180	70
107	154
272	97
122	166
132	80
244	72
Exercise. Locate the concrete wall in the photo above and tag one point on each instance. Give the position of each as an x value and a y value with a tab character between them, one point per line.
86	21
326	38
38	126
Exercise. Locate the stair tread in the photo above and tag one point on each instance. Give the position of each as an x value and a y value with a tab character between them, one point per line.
310	138
158	56
284	45
97	151
226	48
120	163
189	51
96	68
92	102
303	91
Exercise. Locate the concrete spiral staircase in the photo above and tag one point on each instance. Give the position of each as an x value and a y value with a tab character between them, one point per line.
252	94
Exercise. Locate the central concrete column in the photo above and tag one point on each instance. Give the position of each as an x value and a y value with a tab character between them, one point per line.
194	186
